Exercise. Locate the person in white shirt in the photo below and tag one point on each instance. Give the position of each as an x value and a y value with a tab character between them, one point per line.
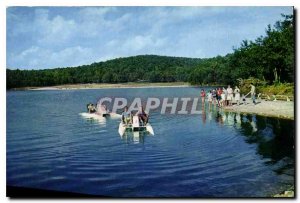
209	97
252	93
229	95
237	95
223	97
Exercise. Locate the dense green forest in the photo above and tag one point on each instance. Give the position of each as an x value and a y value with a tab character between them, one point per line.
269	58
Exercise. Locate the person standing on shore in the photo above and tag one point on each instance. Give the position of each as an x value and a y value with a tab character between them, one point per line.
229	95
219	92
223	98
237	95
252	93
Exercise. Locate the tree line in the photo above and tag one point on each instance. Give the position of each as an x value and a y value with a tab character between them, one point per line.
269	58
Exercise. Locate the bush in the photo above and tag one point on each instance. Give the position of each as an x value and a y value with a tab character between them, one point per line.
286	89
244	84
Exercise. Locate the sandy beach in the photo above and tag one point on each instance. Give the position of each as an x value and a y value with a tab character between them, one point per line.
281	109
108	86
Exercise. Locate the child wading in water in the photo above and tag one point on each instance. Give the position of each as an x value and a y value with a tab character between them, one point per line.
219	93
203	96
223	97
214	95
209	98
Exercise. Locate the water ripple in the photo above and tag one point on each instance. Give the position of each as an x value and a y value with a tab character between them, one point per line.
189	155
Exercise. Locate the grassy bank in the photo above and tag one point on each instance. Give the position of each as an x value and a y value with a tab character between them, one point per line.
279	91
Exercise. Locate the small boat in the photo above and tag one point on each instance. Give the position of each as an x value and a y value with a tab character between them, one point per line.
100	116
98	111
135	126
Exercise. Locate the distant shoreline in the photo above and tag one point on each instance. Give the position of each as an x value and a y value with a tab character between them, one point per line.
279	109
106	86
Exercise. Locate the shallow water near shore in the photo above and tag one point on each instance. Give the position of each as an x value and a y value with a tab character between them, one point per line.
213	154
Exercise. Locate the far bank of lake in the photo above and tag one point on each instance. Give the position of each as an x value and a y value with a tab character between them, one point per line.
107	86
280	109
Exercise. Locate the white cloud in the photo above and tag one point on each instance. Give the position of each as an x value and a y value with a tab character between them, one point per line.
71	55
94	13
92	23
140	42
27	52
51	37
57	30
45	58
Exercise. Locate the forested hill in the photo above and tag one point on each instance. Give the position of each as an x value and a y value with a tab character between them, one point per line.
269	58
150	68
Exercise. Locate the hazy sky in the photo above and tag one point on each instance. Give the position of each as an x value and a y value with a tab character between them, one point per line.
48	37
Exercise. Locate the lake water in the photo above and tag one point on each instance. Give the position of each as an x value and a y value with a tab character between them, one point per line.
214	154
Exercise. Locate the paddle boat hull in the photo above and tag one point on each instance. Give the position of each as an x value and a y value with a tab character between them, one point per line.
136	126
100	116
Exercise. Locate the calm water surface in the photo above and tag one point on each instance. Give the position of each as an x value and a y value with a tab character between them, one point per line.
214	154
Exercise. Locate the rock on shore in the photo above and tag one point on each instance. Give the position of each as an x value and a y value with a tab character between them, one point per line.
288	193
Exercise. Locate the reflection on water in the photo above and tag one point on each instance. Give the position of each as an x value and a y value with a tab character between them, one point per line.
101	121
274	137
216	154
134	137
94	118
203	114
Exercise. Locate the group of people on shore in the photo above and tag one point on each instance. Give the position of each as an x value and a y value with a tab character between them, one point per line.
226	96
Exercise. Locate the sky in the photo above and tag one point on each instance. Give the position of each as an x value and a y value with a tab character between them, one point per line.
51	37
